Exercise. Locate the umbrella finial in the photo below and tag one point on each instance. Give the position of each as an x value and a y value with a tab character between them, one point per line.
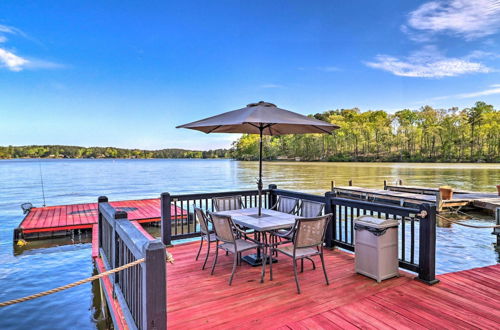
261	103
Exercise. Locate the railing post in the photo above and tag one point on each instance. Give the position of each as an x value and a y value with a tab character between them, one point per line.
154	287
166	219
101	199
496	230
330	230
272	198
427	245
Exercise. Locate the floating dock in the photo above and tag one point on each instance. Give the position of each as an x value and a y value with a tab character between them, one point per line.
63	220
414	195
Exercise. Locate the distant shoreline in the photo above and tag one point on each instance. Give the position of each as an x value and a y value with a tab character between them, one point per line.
255	160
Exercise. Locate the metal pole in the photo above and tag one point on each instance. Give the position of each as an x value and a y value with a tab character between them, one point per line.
259	183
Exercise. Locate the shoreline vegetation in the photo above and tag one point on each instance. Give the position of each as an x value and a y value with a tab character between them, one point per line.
424	135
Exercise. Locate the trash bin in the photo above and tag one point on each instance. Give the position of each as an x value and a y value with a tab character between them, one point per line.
376	247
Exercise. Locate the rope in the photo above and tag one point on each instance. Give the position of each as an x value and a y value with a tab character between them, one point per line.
170	259
467	225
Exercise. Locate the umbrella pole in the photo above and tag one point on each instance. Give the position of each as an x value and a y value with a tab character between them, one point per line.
259	183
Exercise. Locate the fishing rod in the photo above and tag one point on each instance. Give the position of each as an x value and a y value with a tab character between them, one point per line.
41	180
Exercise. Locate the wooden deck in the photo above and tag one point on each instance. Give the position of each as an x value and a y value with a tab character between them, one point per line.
467	299
83	216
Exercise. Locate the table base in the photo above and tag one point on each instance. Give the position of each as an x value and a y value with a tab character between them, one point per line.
255	261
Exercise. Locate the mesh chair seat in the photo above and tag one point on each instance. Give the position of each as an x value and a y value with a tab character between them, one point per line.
299	253
212	237
241	245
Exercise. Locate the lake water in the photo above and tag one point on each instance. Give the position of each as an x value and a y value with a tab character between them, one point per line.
47	264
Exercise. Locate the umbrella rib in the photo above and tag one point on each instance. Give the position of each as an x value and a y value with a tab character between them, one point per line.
213	129
324	130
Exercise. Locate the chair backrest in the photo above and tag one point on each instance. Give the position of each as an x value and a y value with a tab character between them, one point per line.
287	204
223	227
227	203
310	209
310	232
202	220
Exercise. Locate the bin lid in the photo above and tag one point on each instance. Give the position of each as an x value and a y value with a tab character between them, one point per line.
370	221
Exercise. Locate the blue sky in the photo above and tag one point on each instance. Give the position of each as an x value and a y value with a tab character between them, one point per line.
125	73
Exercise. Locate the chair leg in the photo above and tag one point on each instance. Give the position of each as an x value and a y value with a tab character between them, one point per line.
324	269
215	259
312	261
264	261
234	267
199	250
295	274
206	257
302	265
271	264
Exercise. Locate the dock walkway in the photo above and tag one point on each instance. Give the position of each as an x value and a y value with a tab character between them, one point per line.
195	299
411	195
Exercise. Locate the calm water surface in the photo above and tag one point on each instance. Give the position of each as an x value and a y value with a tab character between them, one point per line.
47	264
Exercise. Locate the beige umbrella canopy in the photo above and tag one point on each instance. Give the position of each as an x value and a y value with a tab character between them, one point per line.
261	118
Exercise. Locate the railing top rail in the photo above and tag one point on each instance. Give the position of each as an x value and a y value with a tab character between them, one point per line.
216	194
135	241
384	208
300	195
110	212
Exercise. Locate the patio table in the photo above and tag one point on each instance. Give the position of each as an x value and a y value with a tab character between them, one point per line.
268	221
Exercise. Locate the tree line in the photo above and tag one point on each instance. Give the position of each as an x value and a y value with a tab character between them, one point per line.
424	135
59	151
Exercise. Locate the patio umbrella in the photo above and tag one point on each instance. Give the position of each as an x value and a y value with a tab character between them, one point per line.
261	118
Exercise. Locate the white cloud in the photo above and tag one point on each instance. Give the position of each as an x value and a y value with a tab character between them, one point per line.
15	62
427	63
491	90
468	18
11	61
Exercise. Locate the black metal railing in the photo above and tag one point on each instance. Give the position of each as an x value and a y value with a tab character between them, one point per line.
177	214
140	290
417	230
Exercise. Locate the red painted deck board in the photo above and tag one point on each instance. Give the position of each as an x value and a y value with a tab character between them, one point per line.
80	216
198	300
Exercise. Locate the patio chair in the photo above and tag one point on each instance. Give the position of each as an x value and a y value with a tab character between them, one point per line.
308	237
225	232
206	234
310	209
228	203
286	204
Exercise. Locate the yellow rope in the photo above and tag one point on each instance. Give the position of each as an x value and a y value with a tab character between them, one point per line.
170	259
466	225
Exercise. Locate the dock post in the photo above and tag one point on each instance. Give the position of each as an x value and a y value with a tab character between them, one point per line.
166	219
400	182
154	289
350	183
427	245
101	199
333	185
385	184
330	230
439	202
272	198
496	231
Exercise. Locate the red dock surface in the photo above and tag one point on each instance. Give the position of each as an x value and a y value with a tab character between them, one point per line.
83	216
466	299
